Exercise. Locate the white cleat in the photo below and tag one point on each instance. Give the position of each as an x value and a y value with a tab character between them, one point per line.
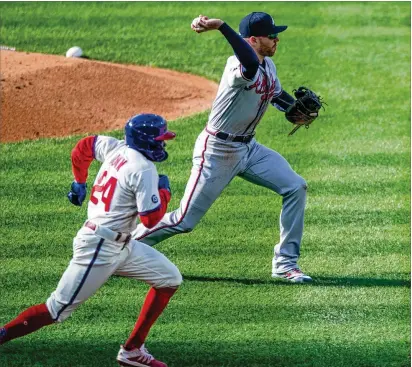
137	358
293	276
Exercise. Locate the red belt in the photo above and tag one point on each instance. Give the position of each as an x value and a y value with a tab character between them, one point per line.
90	225
109	234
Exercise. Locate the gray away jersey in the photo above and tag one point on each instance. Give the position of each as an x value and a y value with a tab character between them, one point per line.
240	102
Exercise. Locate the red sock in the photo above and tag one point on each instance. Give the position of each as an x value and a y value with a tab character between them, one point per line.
154	304
28	321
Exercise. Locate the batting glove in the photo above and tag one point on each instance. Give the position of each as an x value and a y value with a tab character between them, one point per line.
77	193
164	183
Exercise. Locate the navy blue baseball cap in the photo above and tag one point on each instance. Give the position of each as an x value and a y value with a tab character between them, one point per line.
259	25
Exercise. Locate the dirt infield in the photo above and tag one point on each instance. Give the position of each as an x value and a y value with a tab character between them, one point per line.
54	96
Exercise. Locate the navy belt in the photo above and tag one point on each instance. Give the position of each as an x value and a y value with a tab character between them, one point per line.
236	138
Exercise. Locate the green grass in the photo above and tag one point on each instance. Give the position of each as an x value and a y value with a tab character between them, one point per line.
228	312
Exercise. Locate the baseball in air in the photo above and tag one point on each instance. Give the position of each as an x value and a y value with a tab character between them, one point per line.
75	51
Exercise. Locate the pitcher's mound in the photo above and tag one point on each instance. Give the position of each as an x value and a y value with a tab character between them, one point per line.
54	96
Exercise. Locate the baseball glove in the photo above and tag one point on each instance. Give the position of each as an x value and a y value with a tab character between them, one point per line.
305	109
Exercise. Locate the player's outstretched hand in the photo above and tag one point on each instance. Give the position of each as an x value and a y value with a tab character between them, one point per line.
77	193
203	24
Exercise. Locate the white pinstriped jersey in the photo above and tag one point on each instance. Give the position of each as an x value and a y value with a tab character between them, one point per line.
126	185
241	103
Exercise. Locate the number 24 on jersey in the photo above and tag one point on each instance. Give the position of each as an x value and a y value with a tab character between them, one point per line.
106	187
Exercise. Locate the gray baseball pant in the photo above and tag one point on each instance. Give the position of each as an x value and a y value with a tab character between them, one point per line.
215	164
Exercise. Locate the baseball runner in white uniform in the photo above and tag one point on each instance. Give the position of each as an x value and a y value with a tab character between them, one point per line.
127	186
227	148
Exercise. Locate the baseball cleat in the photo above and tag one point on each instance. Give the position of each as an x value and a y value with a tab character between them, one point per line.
137	358
294	276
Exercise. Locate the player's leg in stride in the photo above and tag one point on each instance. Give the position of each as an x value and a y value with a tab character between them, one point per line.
30	320
147	264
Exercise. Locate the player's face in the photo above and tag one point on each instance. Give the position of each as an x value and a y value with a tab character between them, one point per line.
266	46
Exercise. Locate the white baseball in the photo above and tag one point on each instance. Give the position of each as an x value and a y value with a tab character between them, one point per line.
196	26
75	51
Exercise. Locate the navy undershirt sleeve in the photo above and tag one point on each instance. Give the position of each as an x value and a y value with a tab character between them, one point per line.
243	51
283	100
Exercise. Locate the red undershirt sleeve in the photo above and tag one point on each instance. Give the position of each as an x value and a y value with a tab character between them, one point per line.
82	157
151	219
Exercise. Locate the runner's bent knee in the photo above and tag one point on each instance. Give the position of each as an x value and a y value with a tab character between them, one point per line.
59	310
172	279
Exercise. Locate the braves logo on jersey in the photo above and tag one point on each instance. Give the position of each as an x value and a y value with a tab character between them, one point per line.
261	87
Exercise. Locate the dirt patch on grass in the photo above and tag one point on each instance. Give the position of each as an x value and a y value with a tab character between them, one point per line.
54	96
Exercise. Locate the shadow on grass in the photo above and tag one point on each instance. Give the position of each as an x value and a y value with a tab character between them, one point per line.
317	281
209	353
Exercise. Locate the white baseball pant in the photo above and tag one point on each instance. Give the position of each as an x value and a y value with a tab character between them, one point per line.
95	259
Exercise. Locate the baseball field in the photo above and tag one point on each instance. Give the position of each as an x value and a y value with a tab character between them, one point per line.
229	311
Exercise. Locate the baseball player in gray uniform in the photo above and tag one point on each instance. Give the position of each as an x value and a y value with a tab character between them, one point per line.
126	186
227	148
